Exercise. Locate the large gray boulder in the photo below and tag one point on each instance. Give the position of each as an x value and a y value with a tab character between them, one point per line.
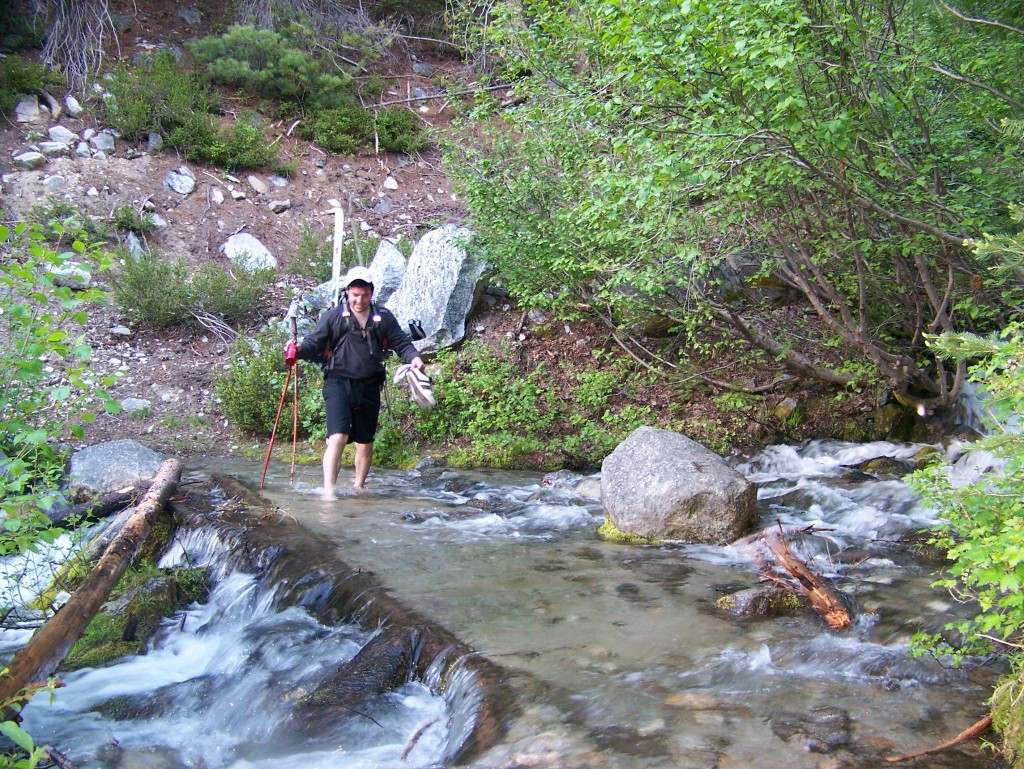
441	285
662	485
388	269
114	465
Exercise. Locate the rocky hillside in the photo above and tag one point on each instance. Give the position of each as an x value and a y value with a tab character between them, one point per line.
62	155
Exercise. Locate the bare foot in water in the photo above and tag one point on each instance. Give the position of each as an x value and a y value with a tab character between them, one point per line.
327	494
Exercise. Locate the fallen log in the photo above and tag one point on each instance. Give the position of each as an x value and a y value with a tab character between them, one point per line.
102	505
785	570
309	573
40	656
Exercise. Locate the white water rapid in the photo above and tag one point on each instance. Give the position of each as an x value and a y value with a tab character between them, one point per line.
617	654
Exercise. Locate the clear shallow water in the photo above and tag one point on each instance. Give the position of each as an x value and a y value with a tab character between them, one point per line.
619	656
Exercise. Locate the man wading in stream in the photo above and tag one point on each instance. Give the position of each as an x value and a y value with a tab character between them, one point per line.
351	341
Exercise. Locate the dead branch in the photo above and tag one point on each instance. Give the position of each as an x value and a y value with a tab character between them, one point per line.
972	731
796	577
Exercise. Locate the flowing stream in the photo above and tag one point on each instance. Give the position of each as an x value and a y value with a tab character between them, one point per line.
618	655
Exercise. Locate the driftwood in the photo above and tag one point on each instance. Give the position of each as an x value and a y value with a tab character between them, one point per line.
971	731
41	655
102	505
783	569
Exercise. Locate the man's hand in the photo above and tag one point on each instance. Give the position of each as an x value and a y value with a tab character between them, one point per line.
291	353
417	363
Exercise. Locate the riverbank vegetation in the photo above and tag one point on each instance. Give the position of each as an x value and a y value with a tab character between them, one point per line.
822	191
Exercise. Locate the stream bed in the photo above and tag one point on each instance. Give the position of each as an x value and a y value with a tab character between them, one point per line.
617	654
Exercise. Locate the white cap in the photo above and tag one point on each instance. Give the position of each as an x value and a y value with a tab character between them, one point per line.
359	273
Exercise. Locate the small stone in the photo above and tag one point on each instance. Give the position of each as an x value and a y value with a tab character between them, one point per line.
120	331
74	106
237	195
191	16
82	150
158	221
279	206
30	160
391	183
92	192
258	184
71	275
28	111
154	142
217	195
133	405
134	245
278	181
103	141
181	180
59	133
52	149
54	183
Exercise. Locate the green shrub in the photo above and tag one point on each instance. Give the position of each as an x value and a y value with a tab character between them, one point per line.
398	130
41	327
241	146
127	218
214	291
19	78
250	390
61	221
153	290
313	256
159	291
287	66
343	130
158	95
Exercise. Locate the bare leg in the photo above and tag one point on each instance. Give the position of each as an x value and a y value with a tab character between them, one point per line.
332	461
364	458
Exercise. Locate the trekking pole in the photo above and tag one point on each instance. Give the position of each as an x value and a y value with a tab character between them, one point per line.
295	400
277	419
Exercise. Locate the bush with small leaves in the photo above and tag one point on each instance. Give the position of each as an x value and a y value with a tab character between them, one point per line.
343	131
215	291
399	130
158	95
128	219
61	221
250	389
20	78
153	290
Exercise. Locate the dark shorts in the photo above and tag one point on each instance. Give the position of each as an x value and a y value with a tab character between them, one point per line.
353	406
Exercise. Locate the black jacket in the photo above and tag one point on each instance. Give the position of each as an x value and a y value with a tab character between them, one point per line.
348	351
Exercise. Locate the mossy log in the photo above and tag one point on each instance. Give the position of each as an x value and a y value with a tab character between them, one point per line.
40	656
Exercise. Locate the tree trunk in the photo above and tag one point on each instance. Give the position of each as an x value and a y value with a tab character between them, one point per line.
41	655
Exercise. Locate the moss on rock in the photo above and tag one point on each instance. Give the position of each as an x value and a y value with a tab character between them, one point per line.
609	532
127	622
1008	717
